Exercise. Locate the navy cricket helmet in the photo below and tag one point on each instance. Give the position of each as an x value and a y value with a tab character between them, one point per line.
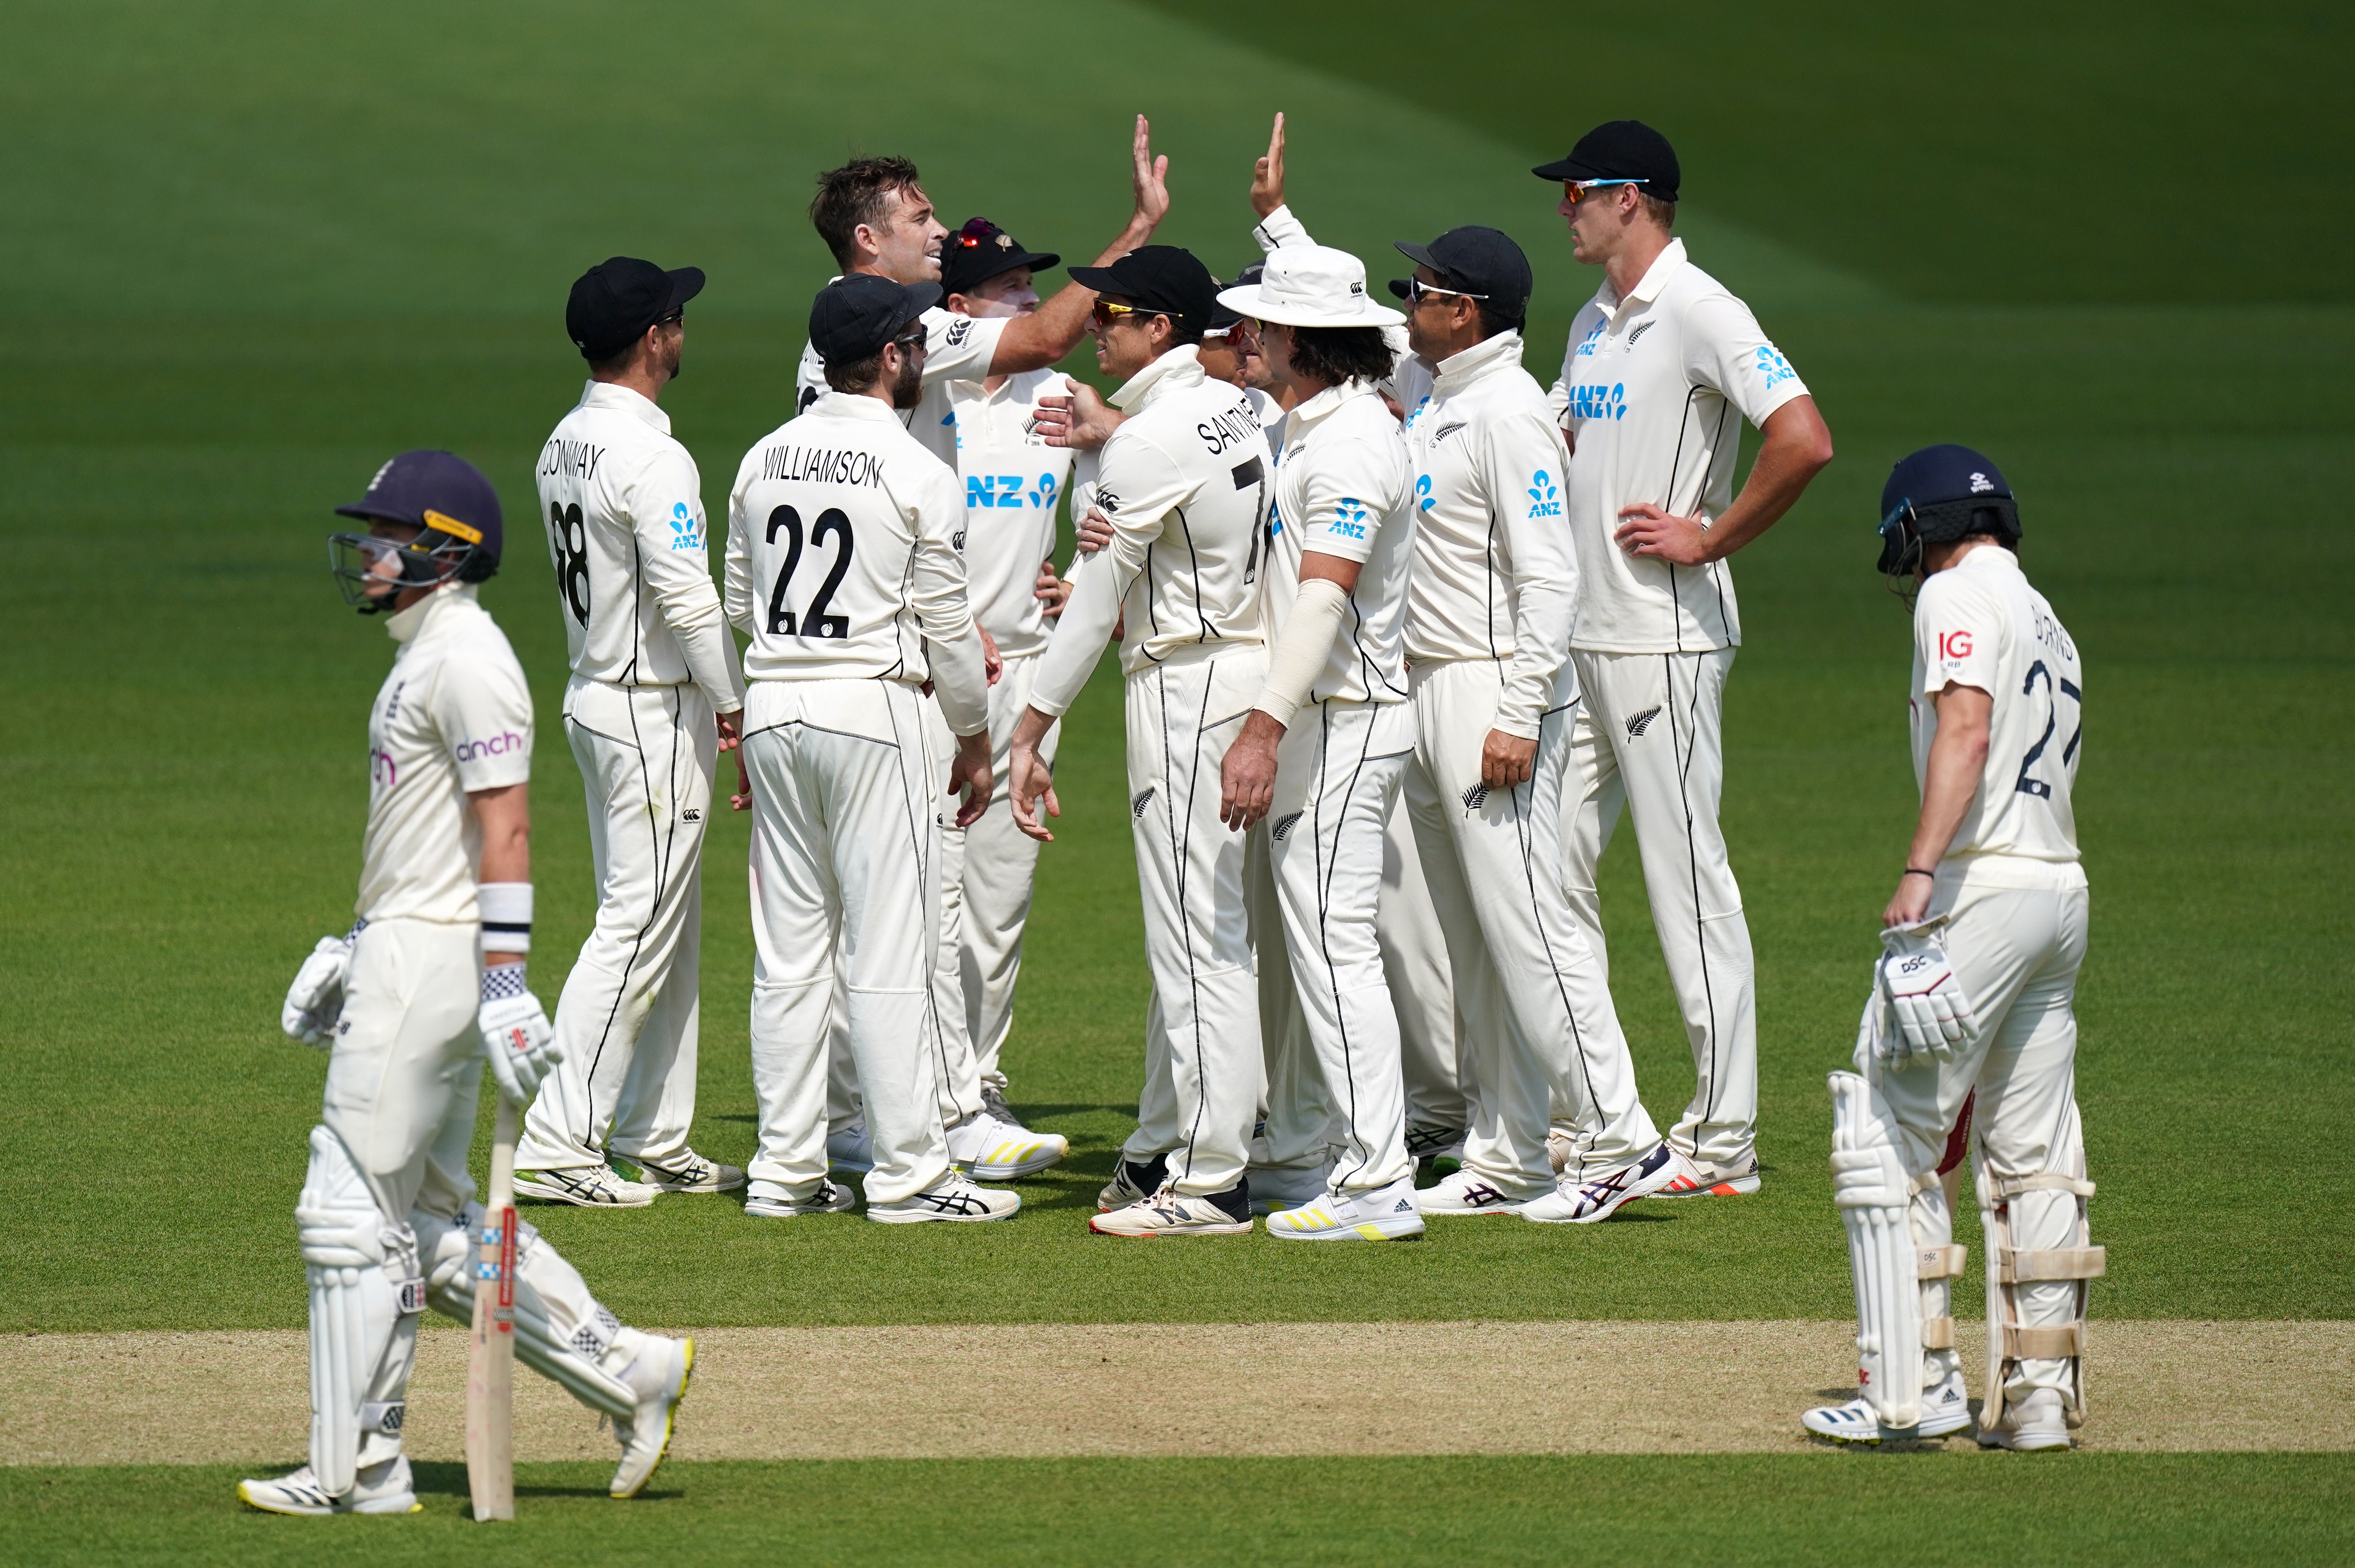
1937	495
455	512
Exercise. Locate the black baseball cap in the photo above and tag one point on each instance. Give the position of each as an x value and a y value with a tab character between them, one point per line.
1475	261
619	298
981	250
1620	150
438	490
1161	278
854	316
1223	316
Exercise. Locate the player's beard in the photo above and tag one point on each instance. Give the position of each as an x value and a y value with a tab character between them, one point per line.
671	358
908	389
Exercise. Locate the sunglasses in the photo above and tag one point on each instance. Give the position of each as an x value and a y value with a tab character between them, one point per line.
1109	313
1417	290
1576	189
911	341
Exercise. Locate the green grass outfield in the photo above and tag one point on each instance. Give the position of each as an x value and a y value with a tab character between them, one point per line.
1924	1510
256	248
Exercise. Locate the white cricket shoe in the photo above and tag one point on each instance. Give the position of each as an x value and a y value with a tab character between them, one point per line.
382	1487
847	1152
989	1149
658	1377
1466	1194
779	1204
1131	1182
950	1198
1697	1180
1585	1202
588	1186
1274	1187
1166	1213
690	1172
2032	1424
1945	1409
1386	1214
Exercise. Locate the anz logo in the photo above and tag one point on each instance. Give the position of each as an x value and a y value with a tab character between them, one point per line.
1586	345
999	489
686	533
1348	519
1545	500
1593	400
1420	409
1423	499
1772	367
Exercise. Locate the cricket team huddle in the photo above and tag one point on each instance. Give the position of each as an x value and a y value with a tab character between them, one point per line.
1404	634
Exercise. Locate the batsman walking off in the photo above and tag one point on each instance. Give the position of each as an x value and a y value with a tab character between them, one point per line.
1972	1001
429	983
653	698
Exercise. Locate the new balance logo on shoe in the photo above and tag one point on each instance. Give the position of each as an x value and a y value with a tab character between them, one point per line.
1641	722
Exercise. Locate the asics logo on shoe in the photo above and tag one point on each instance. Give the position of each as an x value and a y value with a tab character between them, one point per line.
1641	722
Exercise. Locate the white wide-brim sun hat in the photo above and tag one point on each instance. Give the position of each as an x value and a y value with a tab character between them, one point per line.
1311	286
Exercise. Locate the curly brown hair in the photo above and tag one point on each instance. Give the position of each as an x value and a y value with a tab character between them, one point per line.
858	192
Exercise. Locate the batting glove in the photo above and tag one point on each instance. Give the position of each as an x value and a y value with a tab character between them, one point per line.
1926	1003
316	998
516	1035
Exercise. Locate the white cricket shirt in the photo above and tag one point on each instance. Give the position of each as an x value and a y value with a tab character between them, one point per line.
1979	623
1654	389
1342	488
1494	574
842	561
623	509
453	716
1185	483
1012	481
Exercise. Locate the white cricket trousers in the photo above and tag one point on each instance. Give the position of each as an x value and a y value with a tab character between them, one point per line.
626	1018
986	874
402	1084
1648	736
1414	962
1182	716
2015	936
845	858
1537	1015
1327	826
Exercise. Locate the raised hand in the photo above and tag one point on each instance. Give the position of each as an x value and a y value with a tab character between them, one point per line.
1267	175
1151	178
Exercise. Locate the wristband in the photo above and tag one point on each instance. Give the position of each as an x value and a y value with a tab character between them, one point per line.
1917	871
503	981
507	917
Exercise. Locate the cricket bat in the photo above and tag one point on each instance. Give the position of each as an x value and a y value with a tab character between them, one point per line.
490	1359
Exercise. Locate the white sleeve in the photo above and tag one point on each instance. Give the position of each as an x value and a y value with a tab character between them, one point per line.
1522	463
1956	635
1351	486
665	506
936	592
736	571
482	708
959	348
1080	635
1302	647
1280	228
1726	351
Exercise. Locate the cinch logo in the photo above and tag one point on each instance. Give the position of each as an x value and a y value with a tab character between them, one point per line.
1953	645
684	534
382	769
1424	500
470	749
1772	366
1545	500
1348	519
1593	400
1586	344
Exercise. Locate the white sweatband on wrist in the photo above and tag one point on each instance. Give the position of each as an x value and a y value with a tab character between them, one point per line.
503	981
507	917
1304	649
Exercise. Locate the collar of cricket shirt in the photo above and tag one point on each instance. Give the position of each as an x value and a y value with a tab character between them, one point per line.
402	626
1483	358
608	395
1178	367
1647	288
855	406
1306	415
